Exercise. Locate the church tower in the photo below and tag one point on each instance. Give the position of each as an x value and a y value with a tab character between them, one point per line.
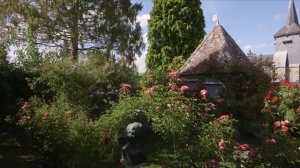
287	47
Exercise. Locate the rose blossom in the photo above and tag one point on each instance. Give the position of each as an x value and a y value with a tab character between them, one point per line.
269	92
46	116
224	118
203	92
25	106
271	141
212	163
125	87
106	139
284	129
174	74
222	144
150	90
184	88
244	147
277	124
284	123
275	99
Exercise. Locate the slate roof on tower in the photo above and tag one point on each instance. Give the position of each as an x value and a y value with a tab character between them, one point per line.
291	26
218	43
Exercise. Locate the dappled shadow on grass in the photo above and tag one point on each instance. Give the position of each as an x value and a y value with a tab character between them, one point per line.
158	151
12	155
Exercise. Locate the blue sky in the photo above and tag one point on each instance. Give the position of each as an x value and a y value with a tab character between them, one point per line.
251	23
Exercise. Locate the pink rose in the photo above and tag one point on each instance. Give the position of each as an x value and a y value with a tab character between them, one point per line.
284	129
277	124
271	141
222	145
125	87
203	92
284	123
26	105
184	88
224	118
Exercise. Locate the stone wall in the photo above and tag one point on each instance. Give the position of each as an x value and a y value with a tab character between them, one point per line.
291	45
294	74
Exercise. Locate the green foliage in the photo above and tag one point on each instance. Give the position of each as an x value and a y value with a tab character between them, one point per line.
92	85
108	26
31	59
243	85
187	125
175	29
62	136
13	85
282	103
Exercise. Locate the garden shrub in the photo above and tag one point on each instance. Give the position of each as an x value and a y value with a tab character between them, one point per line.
91	84
187	125
63	136
241	93
13	85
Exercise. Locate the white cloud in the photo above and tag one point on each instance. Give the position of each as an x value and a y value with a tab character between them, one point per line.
141	61
143	19
247	47
258	48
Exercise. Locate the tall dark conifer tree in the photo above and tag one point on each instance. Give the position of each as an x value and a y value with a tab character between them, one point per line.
175	29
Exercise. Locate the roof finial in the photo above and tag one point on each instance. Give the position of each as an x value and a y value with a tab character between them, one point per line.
216	19
292	14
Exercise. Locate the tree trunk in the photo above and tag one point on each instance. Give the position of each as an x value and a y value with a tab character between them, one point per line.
74	47
75	32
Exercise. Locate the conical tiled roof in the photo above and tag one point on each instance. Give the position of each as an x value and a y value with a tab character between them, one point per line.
218	43
291	26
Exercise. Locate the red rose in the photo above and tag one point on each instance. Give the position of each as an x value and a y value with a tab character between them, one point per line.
259	95
275	99
276	87
268	97
269	92
106	139
244	147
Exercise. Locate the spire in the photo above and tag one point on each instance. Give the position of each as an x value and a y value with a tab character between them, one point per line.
292	14
291	26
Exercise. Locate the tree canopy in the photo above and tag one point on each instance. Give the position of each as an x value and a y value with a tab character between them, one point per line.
106	25
175	29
